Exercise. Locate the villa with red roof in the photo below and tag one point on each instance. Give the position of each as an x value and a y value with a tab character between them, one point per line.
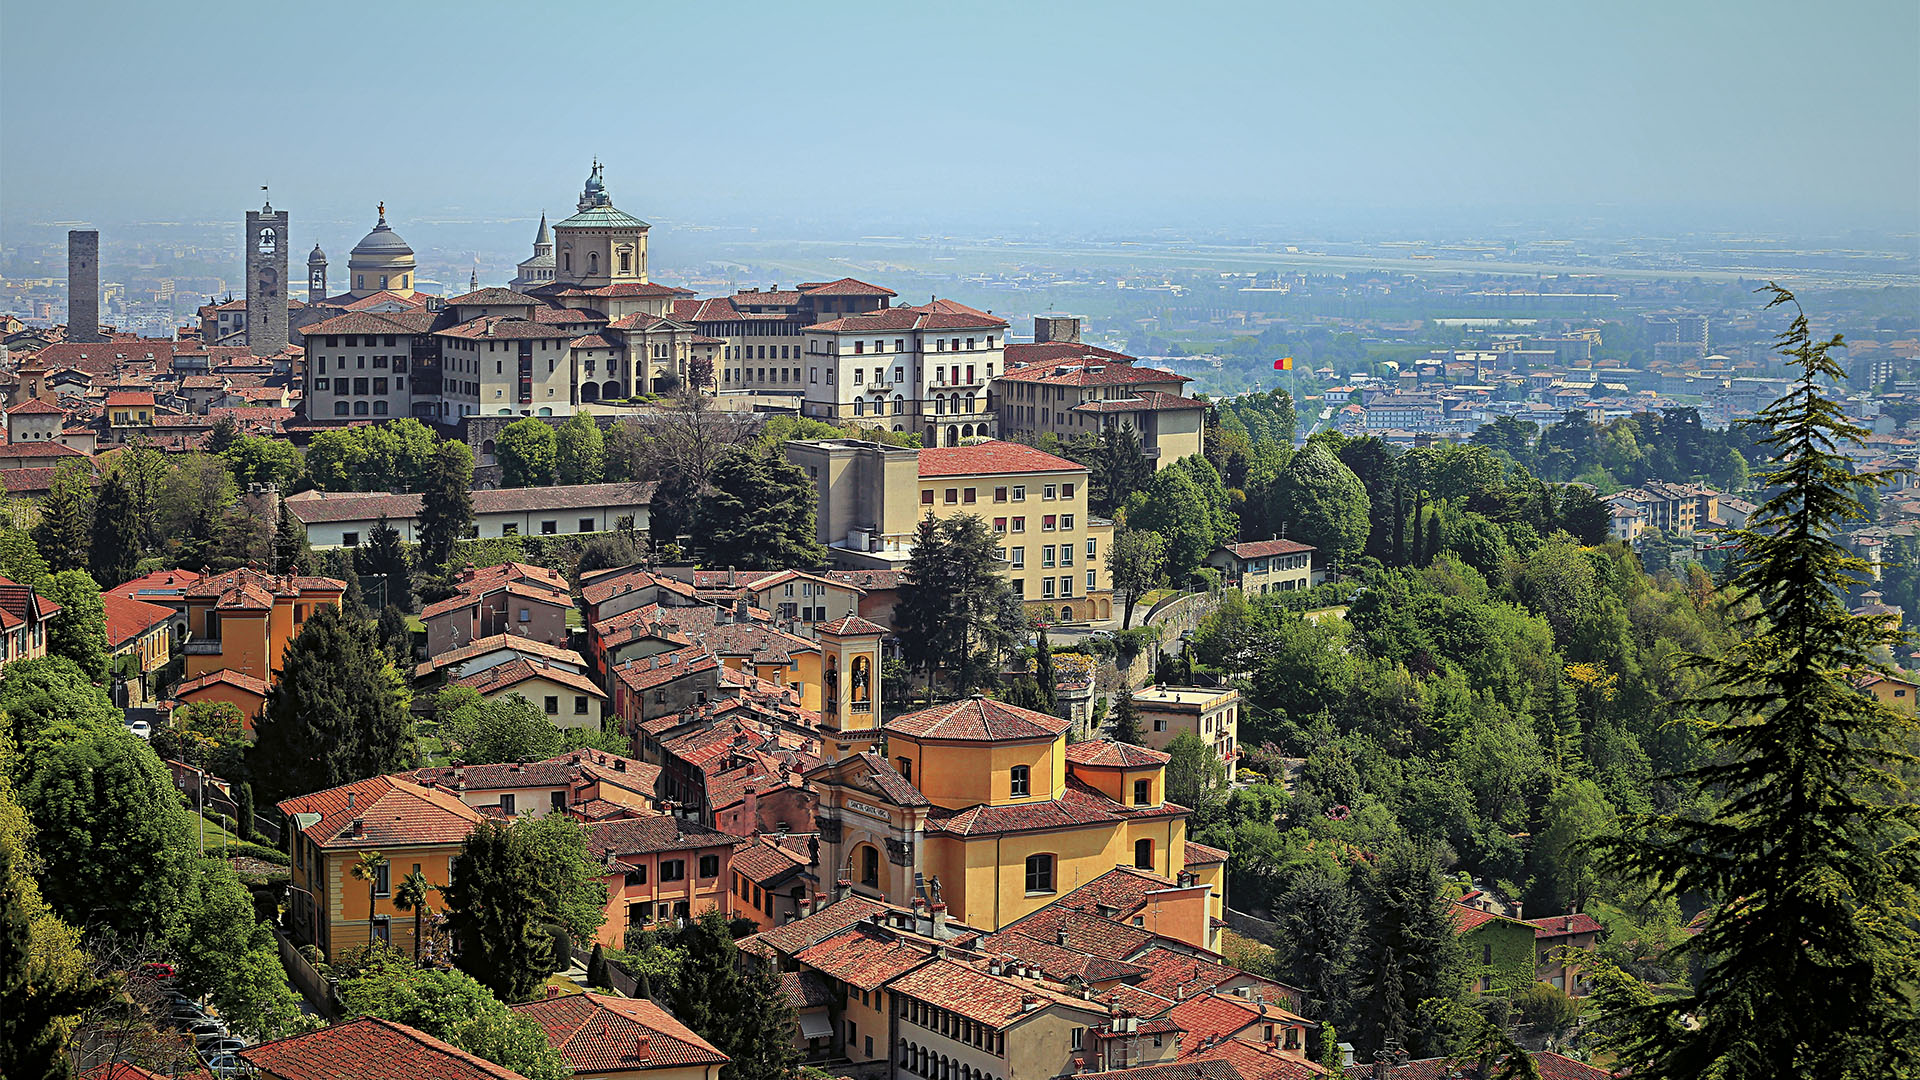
616	1038
141	633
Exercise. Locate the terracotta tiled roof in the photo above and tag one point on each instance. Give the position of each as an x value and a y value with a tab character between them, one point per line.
521	669
1467	918
977	719
893	320
828	921
494	297
554	772
1565	925
852	624
225	675
597	1033
1135	1000
1260	549
217	586
35	481
765	861
392	812
1058	960
500	328
1256	1062
592	341
362	322
863	956
846	286
1086	932
600	590
990	459
121	1070
1119	755
631	289
870	580
494	643
647	835
370	1049
47	449
315	507
806	989
129	619
1185	1070
987	999
1202	855
1221	1015
884	778
647	672
36	407
1087	370
567	316
1053	352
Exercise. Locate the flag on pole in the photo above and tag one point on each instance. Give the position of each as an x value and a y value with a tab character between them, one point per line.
1285	363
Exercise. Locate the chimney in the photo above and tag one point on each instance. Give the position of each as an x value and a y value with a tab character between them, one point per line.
740	606
350	796
732	575
939	920
1060	936
358	828
842	888
993	965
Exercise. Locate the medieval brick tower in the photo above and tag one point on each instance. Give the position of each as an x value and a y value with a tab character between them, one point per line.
83	285
266	280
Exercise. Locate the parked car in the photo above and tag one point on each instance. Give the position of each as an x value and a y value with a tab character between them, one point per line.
219	1047
227	1065
205	1029
141	729
162	972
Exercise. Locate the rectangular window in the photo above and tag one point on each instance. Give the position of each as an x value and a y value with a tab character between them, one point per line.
1066	521
350	539
1142	792
1000	525
1046	555
999	494
673	870
1066	586
1046	588
383	880
926	497
709	866
1049	522
549	527
1091	584
1019	782
1019	524
1066	491
1051	491
506	804
579	705
1092	547
967	496
553	705
1019	493
1066	554
1019	558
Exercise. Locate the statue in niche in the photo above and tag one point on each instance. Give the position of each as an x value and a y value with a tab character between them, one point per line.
862	677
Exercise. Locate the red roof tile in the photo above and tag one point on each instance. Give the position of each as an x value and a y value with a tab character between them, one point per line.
976	995
521	669
598	1033
227	676
977	719
1565	925
129	619
1260	549
865	957
989	459
1119	755
370	1049
846	286
392	812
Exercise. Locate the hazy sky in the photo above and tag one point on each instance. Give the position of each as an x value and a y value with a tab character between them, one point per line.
1110	116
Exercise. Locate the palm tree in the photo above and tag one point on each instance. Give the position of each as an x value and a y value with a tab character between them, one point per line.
368	870
412	896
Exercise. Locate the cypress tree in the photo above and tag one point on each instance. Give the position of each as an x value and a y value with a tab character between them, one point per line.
597	975
116	534
1809	943
1419	528
335	716
738	1007
1043	673
385	558
290	552
1126	717
1434	543
1399	524
243	811
493	908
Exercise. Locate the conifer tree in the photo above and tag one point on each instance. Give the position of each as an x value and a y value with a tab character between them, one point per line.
384	557
116	534
757	513
1807	857
1043	672
335	715
446	502
493	907
64	532
290	552
738	1007
1126	717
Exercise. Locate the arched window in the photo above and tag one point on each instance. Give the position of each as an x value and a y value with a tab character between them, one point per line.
1143	853
341	408
566	261
870	866
593	263
359	408
379	408
859	407
899	406
1039	874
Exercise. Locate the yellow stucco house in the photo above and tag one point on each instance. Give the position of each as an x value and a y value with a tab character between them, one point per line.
984	809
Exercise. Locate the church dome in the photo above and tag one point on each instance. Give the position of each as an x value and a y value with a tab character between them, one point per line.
382	242
318	256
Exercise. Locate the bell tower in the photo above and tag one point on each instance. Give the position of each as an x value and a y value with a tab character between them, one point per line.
266	280
317	276
850	686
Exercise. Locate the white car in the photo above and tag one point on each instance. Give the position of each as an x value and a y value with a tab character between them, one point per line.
141	729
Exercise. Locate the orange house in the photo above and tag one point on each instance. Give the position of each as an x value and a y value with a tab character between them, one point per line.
412	827
243	692
244	619
668	868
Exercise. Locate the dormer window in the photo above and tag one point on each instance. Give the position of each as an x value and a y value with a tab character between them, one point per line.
1020	784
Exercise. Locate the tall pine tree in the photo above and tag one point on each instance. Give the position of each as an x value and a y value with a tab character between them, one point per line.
446	502
335	715
493	908
290	552
116	534
384	557
757	513
737	1006
1809	943
64	532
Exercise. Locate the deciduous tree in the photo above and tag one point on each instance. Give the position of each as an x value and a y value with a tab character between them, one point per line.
580	451
527	449
1137	561
78	631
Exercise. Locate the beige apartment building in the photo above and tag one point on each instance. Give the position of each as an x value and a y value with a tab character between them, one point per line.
924	369
1066	388
871	498
1168	712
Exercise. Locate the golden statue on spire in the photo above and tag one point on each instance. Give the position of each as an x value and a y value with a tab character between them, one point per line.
383	209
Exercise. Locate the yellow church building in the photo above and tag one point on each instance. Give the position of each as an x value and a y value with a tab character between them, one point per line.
984	808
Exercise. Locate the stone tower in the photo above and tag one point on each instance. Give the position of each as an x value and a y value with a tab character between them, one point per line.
850	691
266	280
317	276
83	285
